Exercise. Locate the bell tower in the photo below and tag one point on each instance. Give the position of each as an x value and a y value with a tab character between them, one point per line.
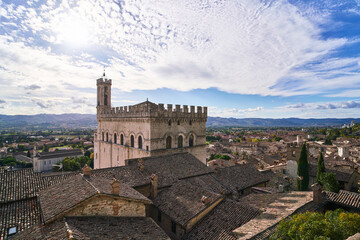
103	93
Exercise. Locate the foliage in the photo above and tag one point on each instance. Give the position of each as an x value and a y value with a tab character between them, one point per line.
303	170
28	154
87	153
12	162
329	182
219	156
75	164
333	225
320	167
327	142
210	138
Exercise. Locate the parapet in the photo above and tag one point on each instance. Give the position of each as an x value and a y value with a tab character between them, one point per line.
153	110
103	80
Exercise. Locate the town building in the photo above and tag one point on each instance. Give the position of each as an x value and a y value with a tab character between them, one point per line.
145	129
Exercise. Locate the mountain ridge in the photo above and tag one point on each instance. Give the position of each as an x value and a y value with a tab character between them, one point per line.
77	120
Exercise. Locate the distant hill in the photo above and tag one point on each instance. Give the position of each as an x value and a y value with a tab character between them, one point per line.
283	122
43	121
74	120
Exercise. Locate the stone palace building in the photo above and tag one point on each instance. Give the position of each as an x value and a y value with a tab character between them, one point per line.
145	129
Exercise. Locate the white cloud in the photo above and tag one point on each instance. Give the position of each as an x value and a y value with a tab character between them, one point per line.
246	47
329	105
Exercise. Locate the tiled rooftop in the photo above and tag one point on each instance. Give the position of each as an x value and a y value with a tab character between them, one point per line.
182	201
222	220
345	198
136	228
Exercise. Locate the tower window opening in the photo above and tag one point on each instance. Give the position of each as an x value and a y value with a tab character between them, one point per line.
191	140
107	137
105	100
122	139
180	142
140	142
190	123
102	136
169	122
132	141
178	122
115	138
168	142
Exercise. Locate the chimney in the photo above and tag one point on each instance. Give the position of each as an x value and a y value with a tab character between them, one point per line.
154	185
317	193
86	170
140	164
115	187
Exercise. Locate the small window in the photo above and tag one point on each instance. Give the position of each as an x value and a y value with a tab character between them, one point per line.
103	138
191	140
173	227
190	123
140	142
147	148
169	122
122	139
107	137
96	155
180	142
12	231
115	138
132	141
168	142
159	216
178	122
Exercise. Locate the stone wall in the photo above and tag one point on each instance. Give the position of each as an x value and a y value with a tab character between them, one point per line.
103	205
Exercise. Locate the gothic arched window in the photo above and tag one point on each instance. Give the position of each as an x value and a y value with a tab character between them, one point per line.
102	136
180	141
107	137
168	142
140	142
115	138
132	141
121	139
105	100
191	140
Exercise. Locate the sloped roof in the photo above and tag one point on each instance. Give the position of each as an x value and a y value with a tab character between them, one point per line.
182	201
222	220
20	214
61	197
24	183
137	228
341	174
240	177
209	182
345	198
60	153
170	168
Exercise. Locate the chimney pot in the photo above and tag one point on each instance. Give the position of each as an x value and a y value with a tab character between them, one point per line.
204	199
317	193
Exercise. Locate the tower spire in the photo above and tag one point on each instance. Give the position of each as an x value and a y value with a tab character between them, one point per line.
104	72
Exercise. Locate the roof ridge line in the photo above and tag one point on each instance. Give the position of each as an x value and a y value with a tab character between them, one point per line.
97	190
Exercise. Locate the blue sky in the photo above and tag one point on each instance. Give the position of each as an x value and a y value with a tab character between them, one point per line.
248	58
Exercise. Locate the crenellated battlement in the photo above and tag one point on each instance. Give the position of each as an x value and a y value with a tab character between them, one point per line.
153	110
103	80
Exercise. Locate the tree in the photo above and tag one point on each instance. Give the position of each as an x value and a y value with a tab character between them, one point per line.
303	170
320	167
329	182
332	225
46	148
87	153
327	142
28	154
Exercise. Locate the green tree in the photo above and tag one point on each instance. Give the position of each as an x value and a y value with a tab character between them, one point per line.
328	142
303	170
329	182
333	225
28	154
87	153
320	167
46	148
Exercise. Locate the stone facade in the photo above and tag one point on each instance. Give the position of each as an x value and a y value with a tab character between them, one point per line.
145	130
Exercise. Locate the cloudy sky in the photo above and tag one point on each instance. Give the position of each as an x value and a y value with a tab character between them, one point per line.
241	58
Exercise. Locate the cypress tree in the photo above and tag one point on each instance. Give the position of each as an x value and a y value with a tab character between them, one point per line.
303	170
320	167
